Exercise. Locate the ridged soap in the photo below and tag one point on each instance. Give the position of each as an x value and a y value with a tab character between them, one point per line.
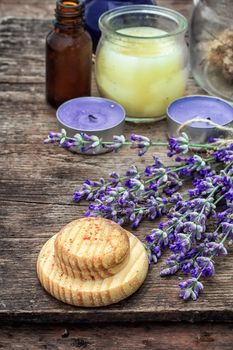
92	262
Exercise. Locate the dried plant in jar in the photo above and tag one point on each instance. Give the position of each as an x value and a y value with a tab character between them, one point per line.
220	53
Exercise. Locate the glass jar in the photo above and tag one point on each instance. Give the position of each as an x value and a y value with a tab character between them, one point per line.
142	59
68	54
211	46
95	8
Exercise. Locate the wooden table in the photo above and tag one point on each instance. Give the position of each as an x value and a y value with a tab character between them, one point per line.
36	186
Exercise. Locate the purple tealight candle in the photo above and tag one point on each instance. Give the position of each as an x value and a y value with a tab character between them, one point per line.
212	109
93	116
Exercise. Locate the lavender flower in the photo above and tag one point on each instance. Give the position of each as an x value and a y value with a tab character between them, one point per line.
94	143
135	183
152	193
132	171
224	155
55	137
227	229
186	227
178	145
141	142
169	270
118	142
190	289
207	266
216	248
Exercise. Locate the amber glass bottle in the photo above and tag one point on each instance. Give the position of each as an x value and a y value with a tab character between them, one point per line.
68	54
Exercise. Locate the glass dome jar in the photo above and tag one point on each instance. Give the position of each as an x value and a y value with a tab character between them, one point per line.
142	59
211	46
95	8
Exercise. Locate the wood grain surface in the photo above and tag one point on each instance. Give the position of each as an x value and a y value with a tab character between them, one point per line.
137	337
36	186
45	8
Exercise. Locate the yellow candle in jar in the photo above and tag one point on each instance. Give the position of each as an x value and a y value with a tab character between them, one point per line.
144	76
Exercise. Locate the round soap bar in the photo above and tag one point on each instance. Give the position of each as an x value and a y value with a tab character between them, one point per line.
91	248
92	262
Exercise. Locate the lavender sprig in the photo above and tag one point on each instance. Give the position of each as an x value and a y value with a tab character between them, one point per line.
137	195
151	193
84	143
131	198
190	289
186	232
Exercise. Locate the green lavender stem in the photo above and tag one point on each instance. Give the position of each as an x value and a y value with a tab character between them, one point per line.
152	144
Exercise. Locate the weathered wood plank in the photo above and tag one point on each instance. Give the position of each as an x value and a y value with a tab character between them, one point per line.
23	298
154	337
36	185
45	9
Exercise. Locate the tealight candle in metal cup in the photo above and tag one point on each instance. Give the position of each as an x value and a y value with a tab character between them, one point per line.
212	109
92	116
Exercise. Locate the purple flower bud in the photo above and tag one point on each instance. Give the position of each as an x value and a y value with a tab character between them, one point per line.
132	171
185	267
156	250
68	144
185	294
213	247
137	220
114	175
206	265
229	194
190	289
212	139
79	195
194	272
139	138
178	145
117	143
175	198
150	238
149	171
169	270
157	162
131	183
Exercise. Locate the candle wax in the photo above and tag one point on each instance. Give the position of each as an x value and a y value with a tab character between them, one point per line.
144	76
204	107
90	114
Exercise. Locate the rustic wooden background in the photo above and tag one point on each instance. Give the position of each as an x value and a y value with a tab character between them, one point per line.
36	186
45	8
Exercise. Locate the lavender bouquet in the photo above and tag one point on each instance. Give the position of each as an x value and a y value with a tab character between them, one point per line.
155	192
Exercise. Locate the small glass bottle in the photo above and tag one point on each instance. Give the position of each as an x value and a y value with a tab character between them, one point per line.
95	8
68	54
